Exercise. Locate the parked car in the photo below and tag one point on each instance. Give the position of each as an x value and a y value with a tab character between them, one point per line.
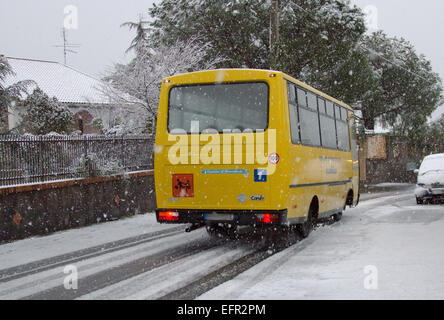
430	186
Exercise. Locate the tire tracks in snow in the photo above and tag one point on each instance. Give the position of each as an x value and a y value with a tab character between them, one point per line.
125	271
142	264
230	271
271	246
20	271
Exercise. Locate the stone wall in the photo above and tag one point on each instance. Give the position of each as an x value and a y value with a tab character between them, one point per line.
394	165
44	208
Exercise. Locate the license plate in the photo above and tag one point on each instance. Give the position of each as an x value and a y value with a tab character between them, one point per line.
218	217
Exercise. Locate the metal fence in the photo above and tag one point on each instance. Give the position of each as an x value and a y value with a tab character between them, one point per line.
31	159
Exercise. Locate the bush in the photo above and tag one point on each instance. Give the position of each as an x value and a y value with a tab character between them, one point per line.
44	115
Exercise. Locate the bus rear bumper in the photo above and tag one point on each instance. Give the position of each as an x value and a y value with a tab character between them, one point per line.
209	217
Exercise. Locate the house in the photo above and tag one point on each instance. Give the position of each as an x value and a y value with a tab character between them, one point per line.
387	157
78	91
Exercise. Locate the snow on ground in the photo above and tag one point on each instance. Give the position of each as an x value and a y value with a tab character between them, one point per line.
391	184
167	278
48	279
390	235
372	195
41	247
402	245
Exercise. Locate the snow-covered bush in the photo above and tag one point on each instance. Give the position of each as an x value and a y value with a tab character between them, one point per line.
91	165
88	165
43	115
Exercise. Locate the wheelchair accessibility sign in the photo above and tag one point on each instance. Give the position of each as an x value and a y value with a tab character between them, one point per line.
260	175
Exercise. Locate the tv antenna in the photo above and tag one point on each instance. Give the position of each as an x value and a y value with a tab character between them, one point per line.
67	47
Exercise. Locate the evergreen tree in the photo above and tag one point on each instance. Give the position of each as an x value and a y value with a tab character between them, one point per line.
427	138
321	42
316	44
44	115
141	33
405	90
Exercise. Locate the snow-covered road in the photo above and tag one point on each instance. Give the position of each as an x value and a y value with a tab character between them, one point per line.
387	248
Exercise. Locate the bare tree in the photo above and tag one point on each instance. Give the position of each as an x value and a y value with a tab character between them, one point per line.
137	85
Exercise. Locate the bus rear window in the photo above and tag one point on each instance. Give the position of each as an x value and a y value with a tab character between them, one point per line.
228	106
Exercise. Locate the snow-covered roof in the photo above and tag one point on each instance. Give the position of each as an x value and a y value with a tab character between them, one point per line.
58	80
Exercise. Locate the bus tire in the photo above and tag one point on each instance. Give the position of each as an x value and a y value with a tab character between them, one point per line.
305	228
349	199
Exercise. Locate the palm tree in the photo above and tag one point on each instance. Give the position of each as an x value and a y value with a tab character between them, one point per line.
141	32
9	94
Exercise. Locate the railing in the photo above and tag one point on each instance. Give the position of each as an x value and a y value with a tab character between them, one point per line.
33	159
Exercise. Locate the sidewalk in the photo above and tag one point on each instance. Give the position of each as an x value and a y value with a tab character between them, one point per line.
384	189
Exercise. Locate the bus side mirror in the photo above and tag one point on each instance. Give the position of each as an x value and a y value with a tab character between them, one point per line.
416	171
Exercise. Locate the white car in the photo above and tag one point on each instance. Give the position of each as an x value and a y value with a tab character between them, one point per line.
430	186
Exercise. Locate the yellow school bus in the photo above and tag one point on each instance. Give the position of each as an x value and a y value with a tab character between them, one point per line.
252	147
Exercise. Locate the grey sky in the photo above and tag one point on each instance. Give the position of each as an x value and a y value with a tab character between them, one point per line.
30	28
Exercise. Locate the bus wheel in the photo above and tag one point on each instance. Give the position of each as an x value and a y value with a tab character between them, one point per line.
349	199
305	228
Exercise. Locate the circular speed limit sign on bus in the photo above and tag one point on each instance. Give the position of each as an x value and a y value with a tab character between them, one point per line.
273	158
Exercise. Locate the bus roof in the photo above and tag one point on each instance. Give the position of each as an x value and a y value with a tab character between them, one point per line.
256	72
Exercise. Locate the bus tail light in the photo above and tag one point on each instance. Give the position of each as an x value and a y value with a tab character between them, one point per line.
168	216
268	218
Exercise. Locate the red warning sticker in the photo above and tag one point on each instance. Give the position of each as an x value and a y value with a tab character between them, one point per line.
274	158
183	186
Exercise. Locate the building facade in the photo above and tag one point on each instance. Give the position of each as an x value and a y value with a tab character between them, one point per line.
81	93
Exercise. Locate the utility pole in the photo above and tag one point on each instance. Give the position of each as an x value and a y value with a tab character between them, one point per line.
274	27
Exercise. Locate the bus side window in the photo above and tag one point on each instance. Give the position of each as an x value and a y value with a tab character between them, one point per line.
327	121
353	138
308	119
342	129
321	104
330	110
311	97
302	98
337	112
344	114
294	117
